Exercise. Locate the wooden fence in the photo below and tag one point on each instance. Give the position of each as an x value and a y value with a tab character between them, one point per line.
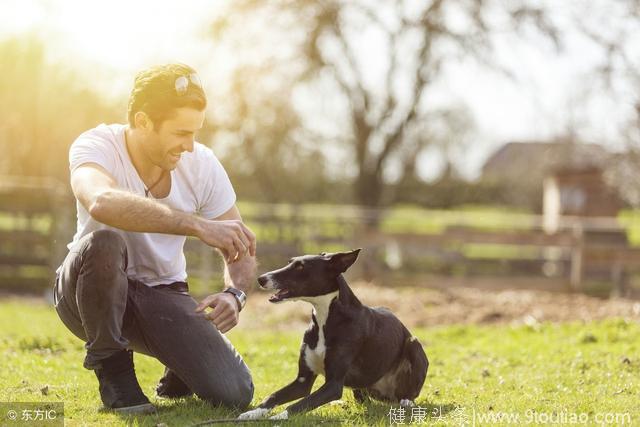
582	250
37	221
33	221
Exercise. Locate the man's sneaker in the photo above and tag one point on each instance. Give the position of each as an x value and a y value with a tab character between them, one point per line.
172	387
119	387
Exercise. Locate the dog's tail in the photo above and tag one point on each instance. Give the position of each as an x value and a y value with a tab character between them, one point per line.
415	355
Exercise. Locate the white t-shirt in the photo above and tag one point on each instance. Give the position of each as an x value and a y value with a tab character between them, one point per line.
199	185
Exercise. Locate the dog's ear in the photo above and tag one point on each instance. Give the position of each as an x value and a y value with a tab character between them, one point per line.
341	261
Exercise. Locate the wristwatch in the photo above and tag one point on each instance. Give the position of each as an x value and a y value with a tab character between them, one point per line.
241	297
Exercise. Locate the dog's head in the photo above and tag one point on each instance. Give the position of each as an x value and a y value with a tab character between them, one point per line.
307	275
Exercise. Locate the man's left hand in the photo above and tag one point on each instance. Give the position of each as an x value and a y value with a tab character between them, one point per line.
225	314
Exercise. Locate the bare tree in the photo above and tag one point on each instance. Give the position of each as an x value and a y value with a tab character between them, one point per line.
408	43
618	75
265	148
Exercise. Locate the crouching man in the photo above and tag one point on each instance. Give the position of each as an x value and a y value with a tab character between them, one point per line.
140	189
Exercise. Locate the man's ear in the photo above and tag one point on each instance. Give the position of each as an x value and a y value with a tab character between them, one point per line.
143	121
341	261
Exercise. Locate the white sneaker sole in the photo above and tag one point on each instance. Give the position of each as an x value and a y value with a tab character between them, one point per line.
145	408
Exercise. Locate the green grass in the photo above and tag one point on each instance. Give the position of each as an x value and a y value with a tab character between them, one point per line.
398	219
417	220
401	218
630	219
583	368
40	223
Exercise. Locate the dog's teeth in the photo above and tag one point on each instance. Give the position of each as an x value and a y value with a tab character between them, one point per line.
279	295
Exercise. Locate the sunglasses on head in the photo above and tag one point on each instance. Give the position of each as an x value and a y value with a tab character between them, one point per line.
182	83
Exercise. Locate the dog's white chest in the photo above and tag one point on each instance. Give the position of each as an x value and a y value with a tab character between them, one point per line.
314	357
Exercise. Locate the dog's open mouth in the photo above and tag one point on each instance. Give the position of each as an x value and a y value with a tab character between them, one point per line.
280	295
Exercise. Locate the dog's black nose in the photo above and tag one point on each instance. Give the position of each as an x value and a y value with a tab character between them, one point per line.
262	280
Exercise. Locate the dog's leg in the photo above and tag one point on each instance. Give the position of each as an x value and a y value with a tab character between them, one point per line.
360	395
337	363
330	391
409	383
298	388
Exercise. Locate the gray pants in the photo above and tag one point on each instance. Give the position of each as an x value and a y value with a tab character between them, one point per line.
99	304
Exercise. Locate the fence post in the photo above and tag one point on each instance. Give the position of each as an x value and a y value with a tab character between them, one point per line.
618	277
577	253
62	229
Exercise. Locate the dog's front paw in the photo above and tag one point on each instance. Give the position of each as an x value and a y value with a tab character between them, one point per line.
253	414
407	403
284	415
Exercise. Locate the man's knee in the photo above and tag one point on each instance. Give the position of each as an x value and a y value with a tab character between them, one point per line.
231	392
102	241
244	395
105	249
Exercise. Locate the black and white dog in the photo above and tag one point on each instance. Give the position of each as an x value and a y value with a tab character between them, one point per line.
366	349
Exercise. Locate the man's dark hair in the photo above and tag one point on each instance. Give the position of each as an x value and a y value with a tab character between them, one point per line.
154	92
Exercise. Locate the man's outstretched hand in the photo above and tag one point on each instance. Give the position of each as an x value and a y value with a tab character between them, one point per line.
234	239
225	313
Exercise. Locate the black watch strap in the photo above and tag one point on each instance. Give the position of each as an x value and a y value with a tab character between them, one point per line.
240	296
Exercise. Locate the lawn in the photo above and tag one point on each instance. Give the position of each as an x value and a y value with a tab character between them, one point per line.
534	372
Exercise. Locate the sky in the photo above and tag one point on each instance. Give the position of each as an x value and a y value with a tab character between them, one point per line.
112	40
109	41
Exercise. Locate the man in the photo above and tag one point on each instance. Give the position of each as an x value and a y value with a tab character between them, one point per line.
140	189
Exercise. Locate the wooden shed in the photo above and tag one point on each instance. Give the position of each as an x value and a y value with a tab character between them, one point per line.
575	191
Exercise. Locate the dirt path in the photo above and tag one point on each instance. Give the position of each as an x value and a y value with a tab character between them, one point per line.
430	307
454	304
